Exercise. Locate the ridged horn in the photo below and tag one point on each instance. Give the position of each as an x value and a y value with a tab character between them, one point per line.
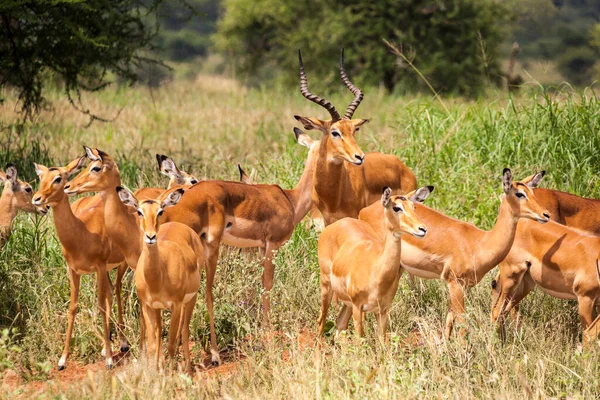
358	95
335	116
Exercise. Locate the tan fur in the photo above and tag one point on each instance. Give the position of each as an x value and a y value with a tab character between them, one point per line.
345	179
85	246
360	268
167	276
558	259
16	195
177	178
459	252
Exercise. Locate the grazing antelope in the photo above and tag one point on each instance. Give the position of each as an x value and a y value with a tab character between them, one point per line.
560	260
459	252
168	272
85	246
361	269
342	189
176	176
205	216
16	195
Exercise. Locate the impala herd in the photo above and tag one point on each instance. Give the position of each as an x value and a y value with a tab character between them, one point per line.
375	227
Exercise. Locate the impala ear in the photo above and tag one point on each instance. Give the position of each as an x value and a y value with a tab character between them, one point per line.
127	197
40	169
75	165
11	176
172	198
507	180
167	166
385	198
244	178
312	123
302	138
359	122
534	180
92	154
420	195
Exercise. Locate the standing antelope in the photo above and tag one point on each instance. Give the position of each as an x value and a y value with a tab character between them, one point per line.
361	269
459	252
342	189
168	272
16	195
85	246
177	177
560	260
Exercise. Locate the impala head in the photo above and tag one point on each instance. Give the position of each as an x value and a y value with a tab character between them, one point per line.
150	211
19	192
521	198
338	131
178	177
101	174
53	181
399	211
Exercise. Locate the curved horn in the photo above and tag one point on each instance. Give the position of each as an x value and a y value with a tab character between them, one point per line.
358	95
335	116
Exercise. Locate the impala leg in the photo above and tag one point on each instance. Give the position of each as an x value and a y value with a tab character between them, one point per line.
121	269
326	296
149	319
586	314
211	269
75	284
267	278
108	306
457	307
382	322
104	293
158	335
185	332
174	331
357	316
343	318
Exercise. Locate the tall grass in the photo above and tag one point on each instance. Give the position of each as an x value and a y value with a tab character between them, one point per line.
210	125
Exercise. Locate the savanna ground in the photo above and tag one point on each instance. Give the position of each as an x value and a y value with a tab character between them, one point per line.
208	126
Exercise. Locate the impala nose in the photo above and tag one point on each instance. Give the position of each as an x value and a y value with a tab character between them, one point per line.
546	215
150	239
422	232
67	186
37	200
359	159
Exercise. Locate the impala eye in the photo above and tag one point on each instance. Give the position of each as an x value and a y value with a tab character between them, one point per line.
58	179
397	209
520	195
96	169
28	189
494	284
160	212
140	213
336	134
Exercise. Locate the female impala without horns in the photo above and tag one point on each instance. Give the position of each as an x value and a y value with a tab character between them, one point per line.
345	179
459	252
361	269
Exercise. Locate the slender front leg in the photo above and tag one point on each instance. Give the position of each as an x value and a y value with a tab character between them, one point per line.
326	295
212	256
267	278
149	320
343	318
357	316
121	269
104	293
174	331
75	283
158	336
382	321
457	307
586	314
185	332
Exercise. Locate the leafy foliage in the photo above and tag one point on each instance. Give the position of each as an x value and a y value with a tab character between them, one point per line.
452	42
80	42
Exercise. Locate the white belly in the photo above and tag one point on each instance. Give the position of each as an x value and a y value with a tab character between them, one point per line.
560	295
241	242
421	273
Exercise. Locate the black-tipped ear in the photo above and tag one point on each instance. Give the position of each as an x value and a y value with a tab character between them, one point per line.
244	178
297	133
385	198
90	154
127	197
172	198
421	194
11	173
507	179
537	178
160	158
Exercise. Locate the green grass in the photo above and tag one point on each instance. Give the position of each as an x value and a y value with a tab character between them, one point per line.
210	125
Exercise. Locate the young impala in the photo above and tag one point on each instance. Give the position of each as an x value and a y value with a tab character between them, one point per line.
361	269
345	179
168	272
85	246
459	252
177	177
16	195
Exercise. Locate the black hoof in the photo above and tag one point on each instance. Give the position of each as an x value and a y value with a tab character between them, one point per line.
61	367
124	349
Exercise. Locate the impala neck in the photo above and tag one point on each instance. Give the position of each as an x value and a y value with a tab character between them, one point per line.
390	258
69	228
152	270
328	174
301	195
7	214
497	242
